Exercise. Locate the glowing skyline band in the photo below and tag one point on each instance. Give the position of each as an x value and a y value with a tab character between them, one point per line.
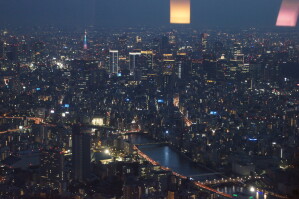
288	13
180	11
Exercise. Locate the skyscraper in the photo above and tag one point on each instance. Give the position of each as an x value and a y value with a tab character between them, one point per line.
134	57
204	42
80	153
182	65
113	61
147	62
51	168
180	11
164	48
1	49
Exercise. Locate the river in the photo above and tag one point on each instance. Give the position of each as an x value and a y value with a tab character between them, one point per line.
176	161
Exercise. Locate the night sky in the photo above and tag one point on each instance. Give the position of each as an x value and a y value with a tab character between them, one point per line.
204	13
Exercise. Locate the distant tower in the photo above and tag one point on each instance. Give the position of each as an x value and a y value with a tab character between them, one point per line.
85	40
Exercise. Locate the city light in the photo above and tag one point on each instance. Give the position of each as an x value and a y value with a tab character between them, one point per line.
252	189
200	111
213	113
97	121
160	101
107	151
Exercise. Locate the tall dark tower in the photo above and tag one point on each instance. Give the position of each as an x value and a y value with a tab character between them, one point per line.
1	49
164	45
80	153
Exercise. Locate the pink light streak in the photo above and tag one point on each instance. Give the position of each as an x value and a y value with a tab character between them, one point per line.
288	14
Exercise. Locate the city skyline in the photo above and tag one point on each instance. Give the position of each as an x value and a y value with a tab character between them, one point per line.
149	99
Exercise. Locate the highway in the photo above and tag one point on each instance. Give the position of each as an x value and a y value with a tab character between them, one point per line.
36	120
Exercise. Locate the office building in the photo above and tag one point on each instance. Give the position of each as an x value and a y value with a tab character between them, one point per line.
134	62
113	63
80	153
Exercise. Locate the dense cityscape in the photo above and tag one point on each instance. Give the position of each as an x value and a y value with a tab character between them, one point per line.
116	100
144	112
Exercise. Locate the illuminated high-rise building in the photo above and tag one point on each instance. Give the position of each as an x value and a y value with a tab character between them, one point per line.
168	64
113	62
147	59
144	64
85	41
182	65
204	42
51	168
38	51
288	14
134	57
180	11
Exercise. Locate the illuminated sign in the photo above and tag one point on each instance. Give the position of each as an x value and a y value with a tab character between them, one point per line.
66	105
97	121
38	89
160	101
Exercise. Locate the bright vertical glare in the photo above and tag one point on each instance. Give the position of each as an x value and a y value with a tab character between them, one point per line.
180	11
288	13
85	41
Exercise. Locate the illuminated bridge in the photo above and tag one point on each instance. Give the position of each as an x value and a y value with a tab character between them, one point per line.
206	174
131	132
151	143
36	120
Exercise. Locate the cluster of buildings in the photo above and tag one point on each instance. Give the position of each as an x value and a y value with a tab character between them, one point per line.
227	100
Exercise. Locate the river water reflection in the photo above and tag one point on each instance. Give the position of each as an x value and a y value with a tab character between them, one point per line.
168	157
